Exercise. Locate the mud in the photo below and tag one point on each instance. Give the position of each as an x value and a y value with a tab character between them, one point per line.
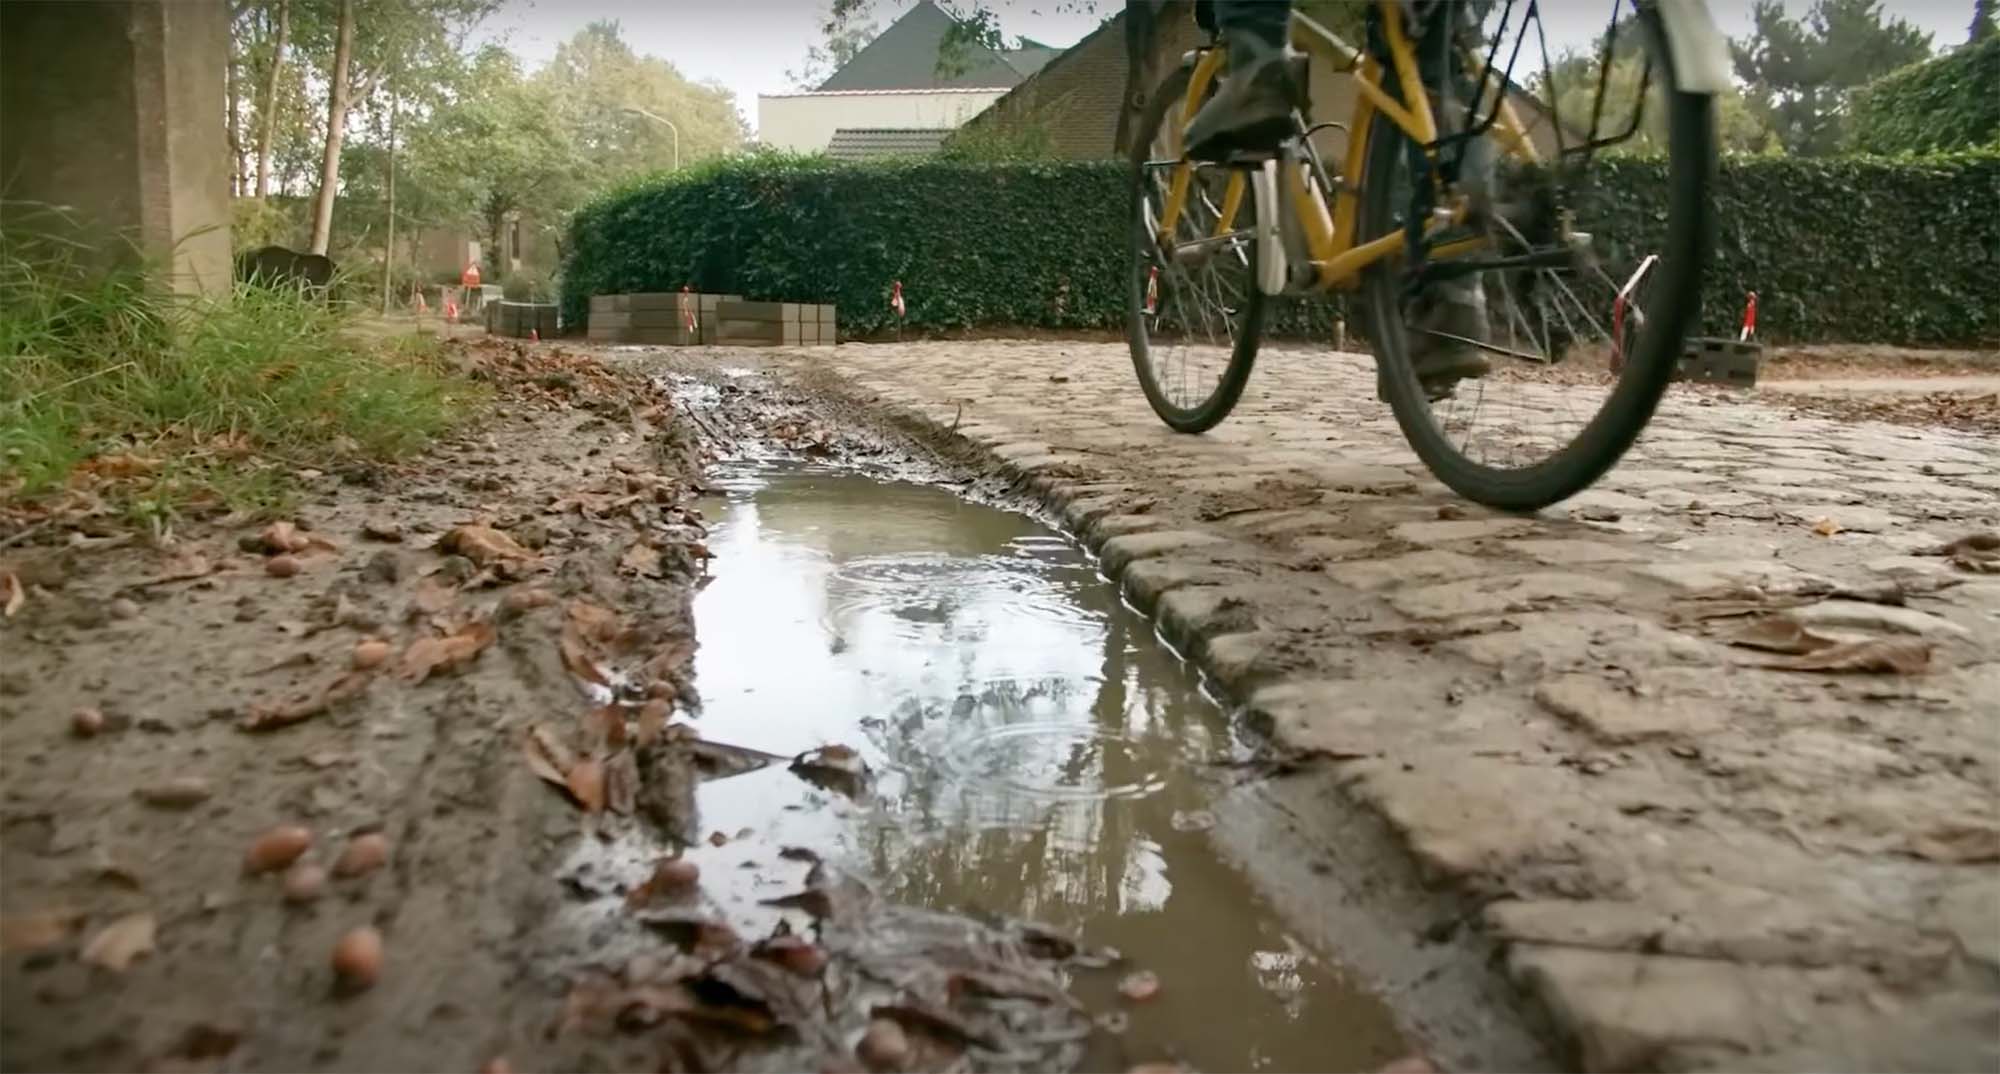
545	732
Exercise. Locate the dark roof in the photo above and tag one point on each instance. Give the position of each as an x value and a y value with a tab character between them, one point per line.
1032	56
862	143
905	56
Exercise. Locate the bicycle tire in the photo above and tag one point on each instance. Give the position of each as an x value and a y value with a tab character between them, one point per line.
1676	296
1140	250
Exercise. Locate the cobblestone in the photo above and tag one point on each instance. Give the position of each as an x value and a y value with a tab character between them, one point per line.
1697	862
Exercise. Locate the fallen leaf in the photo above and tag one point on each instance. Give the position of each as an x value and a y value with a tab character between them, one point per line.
672	878
548	757
641	559
836	768
10	583
577	660
123	465
1959	844
181	567
118	944
432	597
483	545
1901	656
207	1040
671	659
281	537
1826	527
37	929
357	958
652	720
593	623
263	717
363	854
585	781
1781	634
427	656
382	529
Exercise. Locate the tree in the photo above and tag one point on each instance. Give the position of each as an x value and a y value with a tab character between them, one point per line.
1575	78
846	30
267	117
603	92
1800	74
1982	22
336	126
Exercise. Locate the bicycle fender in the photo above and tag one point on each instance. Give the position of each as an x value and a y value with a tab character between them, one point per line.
1701	55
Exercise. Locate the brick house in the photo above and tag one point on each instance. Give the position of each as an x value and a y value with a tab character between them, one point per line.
1069	108
891	99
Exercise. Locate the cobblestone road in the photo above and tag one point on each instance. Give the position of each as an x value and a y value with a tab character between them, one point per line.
1694	861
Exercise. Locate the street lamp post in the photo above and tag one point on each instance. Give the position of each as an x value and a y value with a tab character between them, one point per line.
638	111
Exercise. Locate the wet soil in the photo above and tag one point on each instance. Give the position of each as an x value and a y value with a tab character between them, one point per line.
913	726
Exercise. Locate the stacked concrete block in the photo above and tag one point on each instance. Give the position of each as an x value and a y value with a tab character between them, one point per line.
773	324
656	318
720	320
521	319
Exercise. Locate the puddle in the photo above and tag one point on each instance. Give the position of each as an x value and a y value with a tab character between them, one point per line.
1037	753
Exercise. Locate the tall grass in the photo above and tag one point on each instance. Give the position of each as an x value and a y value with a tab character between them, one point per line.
95	362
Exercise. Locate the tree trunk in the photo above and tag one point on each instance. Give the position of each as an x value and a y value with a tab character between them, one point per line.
389	247
336	126
267	118
238	171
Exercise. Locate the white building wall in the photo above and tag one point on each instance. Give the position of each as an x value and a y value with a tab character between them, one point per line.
805	122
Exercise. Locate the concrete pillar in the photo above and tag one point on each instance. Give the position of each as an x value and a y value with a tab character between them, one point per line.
112	131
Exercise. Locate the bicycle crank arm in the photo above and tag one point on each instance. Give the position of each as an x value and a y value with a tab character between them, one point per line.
1435	271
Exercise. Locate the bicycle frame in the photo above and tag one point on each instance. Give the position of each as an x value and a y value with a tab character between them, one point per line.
1337	260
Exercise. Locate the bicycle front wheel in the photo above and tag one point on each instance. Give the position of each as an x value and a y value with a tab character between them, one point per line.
1519	386
1193	311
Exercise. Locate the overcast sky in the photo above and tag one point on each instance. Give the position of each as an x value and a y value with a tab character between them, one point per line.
747	45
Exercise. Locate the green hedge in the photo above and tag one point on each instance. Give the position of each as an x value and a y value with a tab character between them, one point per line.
1840	250
1951	102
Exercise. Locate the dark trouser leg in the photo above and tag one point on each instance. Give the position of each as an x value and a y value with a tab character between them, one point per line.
1268	21
1454	307
1252	107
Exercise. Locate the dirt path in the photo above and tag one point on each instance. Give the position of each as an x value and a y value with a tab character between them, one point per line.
309	796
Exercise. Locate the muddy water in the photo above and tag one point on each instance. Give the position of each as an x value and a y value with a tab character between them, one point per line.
1036	753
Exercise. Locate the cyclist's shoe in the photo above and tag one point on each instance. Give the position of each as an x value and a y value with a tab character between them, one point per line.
1251	111
1443	341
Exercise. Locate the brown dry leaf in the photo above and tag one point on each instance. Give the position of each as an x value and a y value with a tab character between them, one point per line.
586	783
118	944
1900	656
1825	527
594	623
652	720
181	567
1781	634
428	656
10	584
605	726
547	756
283	537
641	559
483	545
432	596
576	659
264	717
124	465
1959	844
37	929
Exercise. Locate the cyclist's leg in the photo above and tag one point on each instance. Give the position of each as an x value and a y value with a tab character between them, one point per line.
1456	307
1252	108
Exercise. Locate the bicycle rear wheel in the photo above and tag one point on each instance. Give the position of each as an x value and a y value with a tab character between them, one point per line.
1575	371
1193	311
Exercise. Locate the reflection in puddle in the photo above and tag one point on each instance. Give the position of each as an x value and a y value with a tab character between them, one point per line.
1036	753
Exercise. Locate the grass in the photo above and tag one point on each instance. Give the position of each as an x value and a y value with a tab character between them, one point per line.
213	398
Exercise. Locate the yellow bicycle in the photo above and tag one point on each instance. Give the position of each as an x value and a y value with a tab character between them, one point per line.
1589	291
